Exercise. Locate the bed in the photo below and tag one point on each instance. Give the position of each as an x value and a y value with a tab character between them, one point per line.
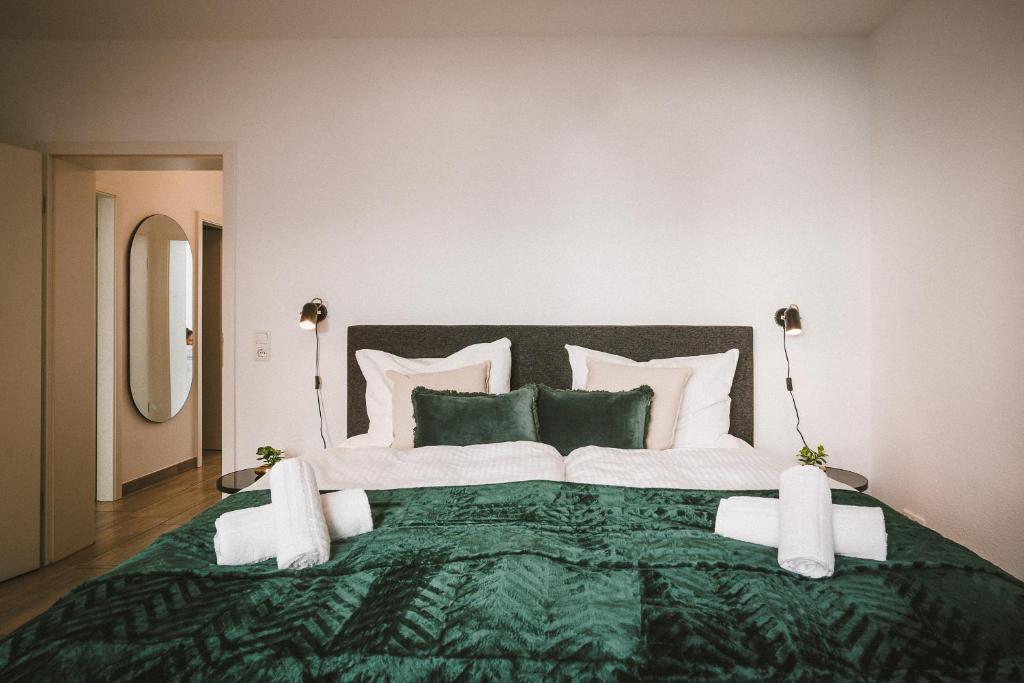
467	578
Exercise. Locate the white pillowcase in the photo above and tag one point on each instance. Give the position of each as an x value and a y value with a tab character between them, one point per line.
375	365
704	416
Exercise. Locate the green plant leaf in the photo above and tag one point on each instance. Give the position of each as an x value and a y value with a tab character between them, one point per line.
809	457
269	455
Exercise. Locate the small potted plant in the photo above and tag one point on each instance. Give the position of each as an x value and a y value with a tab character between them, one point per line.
269	456
814	458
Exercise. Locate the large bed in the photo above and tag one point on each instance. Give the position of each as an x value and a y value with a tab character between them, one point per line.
506	562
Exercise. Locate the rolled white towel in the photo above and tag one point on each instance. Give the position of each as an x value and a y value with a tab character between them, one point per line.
857	531
245	536
347	513
744	518
805	522
301	538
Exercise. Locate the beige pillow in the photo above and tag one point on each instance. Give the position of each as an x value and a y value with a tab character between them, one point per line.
470	378
668	384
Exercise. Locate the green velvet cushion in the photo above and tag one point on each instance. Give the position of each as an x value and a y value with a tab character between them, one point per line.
450	418
573	419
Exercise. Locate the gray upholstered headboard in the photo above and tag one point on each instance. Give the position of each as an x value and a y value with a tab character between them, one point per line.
538	354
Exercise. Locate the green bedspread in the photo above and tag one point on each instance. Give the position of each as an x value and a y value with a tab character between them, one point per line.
527	581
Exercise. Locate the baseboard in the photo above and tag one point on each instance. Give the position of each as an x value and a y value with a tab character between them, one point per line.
153	477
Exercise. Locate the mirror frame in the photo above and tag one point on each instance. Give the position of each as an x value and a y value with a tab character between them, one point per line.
131	314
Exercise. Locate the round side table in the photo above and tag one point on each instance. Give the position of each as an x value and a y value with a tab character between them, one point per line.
857	481
233	482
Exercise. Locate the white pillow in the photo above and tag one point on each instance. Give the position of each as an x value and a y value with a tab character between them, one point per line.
704	416
375	365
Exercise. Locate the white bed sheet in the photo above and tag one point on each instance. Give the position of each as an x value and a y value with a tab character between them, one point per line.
736	466
723	469
387	468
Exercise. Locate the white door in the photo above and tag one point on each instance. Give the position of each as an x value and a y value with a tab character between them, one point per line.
69	500
21	319
108	485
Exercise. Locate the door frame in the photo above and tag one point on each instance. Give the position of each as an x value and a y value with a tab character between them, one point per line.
116	461
202	220
228	153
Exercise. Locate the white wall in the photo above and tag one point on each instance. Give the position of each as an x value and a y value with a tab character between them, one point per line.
640	180
142	446
947	251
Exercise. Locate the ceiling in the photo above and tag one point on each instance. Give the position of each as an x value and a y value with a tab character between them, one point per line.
263	19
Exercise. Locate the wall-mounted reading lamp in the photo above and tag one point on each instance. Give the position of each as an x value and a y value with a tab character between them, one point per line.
313	313
788	319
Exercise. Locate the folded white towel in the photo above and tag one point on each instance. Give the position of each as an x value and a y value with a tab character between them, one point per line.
856	531
300	531
805	522
245	536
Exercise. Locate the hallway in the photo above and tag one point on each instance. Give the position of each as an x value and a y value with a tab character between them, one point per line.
123	528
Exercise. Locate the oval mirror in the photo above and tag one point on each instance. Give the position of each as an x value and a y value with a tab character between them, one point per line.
160	317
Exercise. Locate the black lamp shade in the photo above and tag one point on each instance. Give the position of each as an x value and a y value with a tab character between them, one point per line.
789	318
312	313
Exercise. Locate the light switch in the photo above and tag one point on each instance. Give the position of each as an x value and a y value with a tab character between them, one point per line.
261	341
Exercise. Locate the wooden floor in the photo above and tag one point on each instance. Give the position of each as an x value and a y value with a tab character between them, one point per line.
123	528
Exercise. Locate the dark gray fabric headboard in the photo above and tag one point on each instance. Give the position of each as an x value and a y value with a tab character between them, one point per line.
538	354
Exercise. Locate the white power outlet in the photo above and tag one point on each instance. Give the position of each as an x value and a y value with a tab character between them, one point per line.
261	341
910	514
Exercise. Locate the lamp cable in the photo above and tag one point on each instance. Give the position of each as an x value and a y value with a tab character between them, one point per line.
789	388
316	383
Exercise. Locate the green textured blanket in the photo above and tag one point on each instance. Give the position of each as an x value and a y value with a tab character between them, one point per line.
527	581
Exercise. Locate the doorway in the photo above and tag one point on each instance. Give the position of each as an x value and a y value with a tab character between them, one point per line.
61	390
135	450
